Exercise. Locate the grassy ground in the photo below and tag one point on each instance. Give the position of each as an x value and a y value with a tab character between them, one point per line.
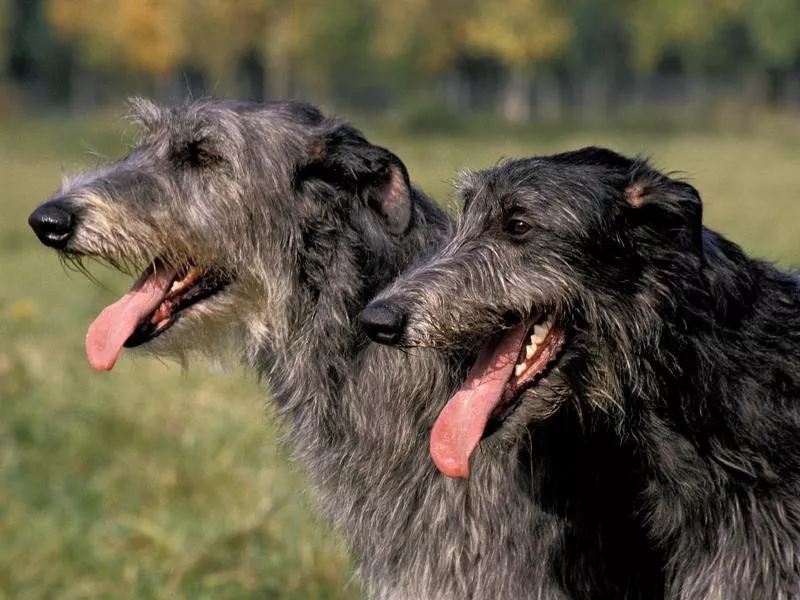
153	483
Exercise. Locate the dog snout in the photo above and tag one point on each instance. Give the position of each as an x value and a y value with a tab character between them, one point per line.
53	223
383	323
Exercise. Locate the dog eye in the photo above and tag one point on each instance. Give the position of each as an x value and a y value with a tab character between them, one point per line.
517	227
202	156
197	154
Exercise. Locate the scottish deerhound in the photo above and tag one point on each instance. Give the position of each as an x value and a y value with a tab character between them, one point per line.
266	229
599	291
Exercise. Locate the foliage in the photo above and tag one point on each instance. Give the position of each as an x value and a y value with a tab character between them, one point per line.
518	32
5	19
158	35
374	49
140	34
775	29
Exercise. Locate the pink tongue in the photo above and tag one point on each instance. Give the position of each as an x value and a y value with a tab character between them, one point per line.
460	425
117	322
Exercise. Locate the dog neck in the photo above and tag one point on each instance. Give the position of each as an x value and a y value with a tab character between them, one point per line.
359	416
710	405
315	360
736	314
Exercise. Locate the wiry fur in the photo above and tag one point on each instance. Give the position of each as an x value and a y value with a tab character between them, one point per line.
676	340
312	221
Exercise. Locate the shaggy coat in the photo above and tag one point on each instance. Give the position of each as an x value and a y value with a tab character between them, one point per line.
294	221
673	337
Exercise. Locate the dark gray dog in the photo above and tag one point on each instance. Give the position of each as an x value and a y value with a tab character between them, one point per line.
264	230
593	287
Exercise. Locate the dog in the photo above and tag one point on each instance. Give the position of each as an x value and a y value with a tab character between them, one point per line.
594	288
262	231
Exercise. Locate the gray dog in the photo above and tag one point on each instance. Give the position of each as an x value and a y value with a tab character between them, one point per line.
263	230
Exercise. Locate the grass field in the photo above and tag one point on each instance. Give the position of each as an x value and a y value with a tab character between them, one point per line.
149	482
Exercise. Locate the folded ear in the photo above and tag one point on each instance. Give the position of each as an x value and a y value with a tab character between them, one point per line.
666	207
345	160
390	195
145	113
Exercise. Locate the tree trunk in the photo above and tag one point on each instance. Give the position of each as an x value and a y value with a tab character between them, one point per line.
168	87
277	76
697	90
594	97
752	98
791	89
548	97
517	97
81	89
455	91
252	76
639	93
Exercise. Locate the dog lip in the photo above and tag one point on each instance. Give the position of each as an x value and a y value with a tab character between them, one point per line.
189	287
546	353
541	347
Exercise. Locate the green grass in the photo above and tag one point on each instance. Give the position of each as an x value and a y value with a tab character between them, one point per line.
149	482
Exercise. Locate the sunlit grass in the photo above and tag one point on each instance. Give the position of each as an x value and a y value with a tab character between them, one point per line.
153	483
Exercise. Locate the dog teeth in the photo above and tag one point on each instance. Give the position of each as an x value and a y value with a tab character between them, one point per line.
177	288
188	280
539	333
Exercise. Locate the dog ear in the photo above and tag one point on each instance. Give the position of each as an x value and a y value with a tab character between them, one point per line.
145	113
668	207
389	196
345	160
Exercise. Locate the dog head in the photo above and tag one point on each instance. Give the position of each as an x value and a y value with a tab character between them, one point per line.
560	269
224	207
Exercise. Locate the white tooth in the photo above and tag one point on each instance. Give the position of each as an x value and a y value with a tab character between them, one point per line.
530	351
539	333
519	369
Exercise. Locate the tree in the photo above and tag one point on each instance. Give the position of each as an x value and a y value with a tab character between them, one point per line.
688	29
157	37
143	35
656	25
522	34
5	22
220	33
421	41
774	27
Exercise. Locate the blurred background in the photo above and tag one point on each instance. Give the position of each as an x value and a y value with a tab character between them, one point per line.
521	59
153	482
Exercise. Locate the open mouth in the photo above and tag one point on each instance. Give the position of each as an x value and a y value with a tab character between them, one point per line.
510	363
153	305
540	348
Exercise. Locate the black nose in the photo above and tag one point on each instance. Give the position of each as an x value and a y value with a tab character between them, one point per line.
382	323
53	223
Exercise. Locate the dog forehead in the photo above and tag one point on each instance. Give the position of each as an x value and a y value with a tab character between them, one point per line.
236	131
546	181
521	180
559	196
222	119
